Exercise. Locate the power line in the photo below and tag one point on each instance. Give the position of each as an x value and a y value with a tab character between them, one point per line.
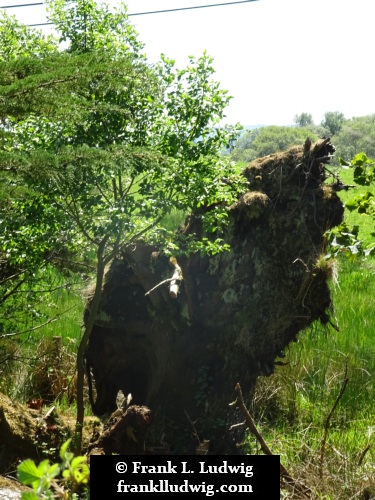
20	5
190	8
141	13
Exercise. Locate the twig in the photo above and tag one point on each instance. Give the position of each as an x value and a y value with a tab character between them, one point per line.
41	85
203	446
363	454
328	420
301	489
236	426
168	280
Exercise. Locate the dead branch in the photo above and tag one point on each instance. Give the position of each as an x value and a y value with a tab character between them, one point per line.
363	454
174	280
327	422
203	446
168	280
289	482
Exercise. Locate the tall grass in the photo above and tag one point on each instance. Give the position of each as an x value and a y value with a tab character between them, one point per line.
292	406
41	361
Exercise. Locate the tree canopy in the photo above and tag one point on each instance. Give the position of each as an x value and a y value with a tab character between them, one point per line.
333	121
99	133
303	120
356	135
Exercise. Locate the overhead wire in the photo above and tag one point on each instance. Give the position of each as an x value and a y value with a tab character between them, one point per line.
139	13
190	8
21	5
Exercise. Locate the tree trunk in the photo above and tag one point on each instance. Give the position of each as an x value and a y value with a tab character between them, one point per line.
235	312
91	313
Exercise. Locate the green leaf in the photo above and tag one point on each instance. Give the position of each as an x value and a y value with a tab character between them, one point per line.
29	473
78	461
359	159
351	205
64	449
53	471
343	162
29	495
360	176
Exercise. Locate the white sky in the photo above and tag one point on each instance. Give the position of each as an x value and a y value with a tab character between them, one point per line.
277	58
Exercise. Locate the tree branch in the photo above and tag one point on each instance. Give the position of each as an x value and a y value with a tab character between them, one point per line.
284	474
328	420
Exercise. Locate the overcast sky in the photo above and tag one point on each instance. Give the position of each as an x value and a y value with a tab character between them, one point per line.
277	58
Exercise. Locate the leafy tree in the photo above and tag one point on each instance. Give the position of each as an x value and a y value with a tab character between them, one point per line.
18	40
104	145
303	120
242	148
85	26
318	131
333	121
357	134
268	140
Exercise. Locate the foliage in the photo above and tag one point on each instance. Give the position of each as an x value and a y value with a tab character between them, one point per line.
18	40
346	238
267	140
242	147
303	120
88	27
58	480
63	156
333	121
98	147
356	135
319	131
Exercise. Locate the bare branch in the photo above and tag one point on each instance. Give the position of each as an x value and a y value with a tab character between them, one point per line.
302	490
328	420
363	454
168	280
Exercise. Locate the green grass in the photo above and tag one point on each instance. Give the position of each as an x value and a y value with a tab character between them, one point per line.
61	307
172	221
38	365
292	406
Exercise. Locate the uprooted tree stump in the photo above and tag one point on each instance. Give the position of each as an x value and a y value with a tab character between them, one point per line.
235	312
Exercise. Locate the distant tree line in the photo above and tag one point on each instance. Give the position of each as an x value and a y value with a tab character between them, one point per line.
350	136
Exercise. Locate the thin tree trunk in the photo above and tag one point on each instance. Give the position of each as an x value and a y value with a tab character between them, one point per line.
92	313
